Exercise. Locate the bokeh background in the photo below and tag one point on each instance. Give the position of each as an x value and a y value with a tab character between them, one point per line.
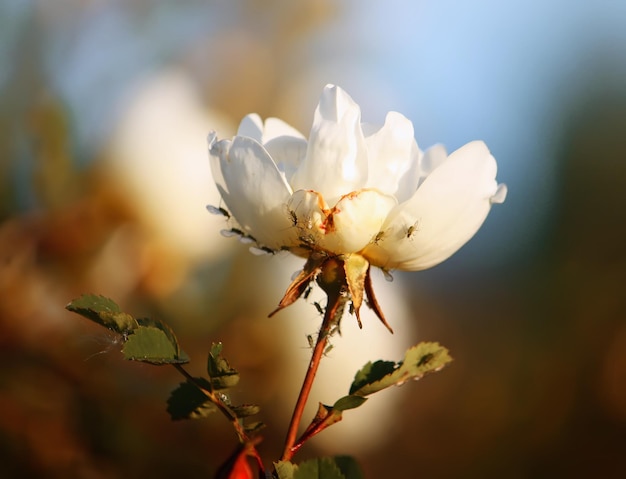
104	111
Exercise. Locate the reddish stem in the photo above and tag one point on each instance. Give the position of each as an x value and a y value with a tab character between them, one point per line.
333	308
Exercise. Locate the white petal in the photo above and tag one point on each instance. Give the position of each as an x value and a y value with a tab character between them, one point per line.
252	127
346	228
288	152
275	127
445	212
432	159
336	160
356	220
409	181
285	144
253	189
423	165
308	211
500	194
390	153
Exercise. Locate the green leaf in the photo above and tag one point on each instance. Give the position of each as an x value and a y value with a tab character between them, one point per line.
103	311
152	345
348	402
253	428
319	468
285	469
372	372
246	410
338	467
349	467
169	333
221	374
187	401
418	361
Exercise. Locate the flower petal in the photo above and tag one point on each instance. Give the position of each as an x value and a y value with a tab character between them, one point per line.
424	164
253	189
308	210
390	153
409	181
443	214
288	152
252	127
433	158
275	127
336	159
355	220
500	195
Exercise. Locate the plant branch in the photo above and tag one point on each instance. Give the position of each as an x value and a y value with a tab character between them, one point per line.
333	310
215	399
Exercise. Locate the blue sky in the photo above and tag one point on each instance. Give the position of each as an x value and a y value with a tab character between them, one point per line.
492	70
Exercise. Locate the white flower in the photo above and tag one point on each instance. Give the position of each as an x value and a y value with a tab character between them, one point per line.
368	196
353	188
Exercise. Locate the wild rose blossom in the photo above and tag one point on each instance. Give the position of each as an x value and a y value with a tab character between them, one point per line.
367	195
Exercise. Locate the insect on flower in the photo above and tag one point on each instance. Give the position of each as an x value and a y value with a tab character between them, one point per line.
218	210
352	194
411	230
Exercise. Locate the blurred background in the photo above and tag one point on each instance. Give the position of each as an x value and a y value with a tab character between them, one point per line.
104	110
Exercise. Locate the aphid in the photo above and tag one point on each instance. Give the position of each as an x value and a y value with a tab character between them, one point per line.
411	230
318	307
243	237
307	292
261	250
308	241
232	232
246	239
311	341
293	216
218	210
308	223
378	237
328	349
335	329
425	359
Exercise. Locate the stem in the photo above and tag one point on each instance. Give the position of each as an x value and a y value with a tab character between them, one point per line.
250	444
228	412
334	307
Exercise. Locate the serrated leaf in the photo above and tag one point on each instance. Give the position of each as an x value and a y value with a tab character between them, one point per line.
372	372
319	468
336	467
152	345
221	374
285	469
225	382
418	361
169	332
254	427
187	401
245	410
216	349
349	467
103	311
348	402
